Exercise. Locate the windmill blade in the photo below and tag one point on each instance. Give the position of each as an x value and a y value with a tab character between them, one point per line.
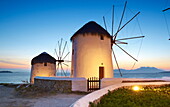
167	26
131	38
104	23
67	71
63	69
119	42
112	19
117	63
165	9
64	48
66	64
126	52
57	68
60	47
66	55
120	21
56	52
115	35
122	16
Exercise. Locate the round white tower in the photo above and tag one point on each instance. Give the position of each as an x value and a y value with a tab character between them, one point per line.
91	52
43	65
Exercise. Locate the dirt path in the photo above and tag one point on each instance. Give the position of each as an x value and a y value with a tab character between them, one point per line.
9	99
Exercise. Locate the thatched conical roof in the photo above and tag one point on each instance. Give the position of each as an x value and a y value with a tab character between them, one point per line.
43	58
93	28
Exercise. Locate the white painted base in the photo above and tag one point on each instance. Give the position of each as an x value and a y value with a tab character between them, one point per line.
105	82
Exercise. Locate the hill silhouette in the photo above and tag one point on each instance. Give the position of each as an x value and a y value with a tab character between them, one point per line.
143	70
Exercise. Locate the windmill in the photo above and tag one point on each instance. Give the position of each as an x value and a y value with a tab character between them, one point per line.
92	49
166	21
61	54
115	41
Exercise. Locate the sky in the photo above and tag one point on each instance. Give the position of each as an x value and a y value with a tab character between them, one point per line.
30	27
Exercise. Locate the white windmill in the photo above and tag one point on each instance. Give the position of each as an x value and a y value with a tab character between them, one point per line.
92	50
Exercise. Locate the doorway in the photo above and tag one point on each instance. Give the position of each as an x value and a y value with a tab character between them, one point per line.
101	72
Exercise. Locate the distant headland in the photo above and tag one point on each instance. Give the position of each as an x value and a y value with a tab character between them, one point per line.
6	72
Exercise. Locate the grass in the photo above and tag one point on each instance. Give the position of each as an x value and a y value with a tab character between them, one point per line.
146	97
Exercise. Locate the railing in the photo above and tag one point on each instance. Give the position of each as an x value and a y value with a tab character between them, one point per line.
93	83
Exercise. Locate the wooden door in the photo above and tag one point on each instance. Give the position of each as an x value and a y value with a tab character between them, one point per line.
101	72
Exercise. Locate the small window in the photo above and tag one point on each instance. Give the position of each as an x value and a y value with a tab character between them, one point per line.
45	64
73	52
101	37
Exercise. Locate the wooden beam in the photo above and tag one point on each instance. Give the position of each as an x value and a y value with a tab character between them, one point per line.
165	9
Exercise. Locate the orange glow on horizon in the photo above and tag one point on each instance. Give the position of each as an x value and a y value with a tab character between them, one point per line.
27	65
13	66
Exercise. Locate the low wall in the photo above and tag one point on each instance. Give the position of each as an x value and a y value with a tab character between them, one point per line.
105	82
96	95
60	84
79	84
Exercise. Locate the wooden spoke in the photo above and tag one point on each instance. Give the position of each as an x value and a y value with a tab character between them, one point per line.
119	42
104	23
63	70
165	9
120	20
117	63
56	52
131	38
65	64
112	19
124	26
122	16
64	48
59	48
126	52
57	67
66	55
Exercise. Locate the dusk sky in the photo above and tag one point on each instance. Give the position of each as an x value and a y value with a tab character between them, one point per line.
30	27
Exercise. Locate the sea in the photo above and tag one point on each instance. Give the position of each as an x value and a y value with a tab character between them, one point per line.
21	77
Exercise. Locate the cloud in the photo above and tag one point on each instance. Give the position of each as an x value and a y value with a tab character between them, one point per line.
9	62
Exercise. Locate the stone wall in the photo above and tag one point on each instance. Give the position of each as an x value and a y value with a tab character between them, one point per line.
61	84
53	85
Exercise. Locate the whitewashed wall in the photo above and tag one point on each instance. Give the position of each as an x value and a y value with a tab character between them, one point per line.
39	69
90	52
79	84
105	82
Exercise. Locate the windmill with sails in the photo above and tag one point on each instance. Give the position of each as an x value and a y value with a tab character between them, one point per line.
92	49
